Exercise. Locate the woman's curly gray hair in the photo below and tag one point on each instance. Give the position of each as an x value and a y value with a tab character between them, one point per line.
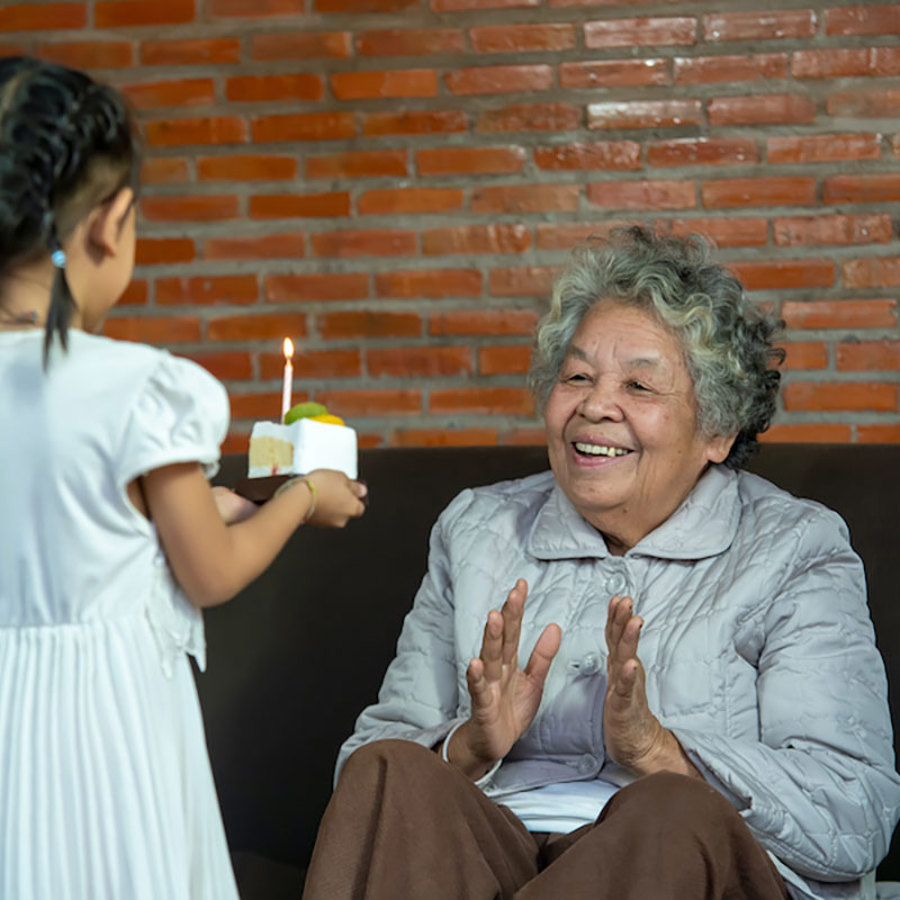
727	340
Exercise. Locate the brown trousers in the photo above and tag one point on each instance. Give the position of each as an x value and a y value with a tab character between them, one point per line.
404	825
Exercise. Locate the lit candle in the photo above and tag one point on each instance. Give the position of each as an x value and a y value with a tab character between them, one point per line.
287	385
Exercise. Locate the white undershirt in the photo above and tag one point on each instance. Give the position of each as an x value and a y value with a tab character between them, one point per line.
560	808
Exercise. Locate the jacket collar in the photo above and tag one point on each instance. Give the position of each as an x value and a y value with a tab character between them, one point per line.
704	525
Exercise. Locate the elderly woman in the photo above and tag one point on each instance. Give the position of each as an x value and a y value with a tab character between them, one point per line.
681	695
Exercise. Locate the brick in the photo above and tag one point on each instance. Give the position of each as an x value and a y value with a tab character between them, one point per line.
434	284
730	193
529	281
715	69
358	164
463	5
765	109
300	206
499	79
644	32
7	49
506	360
554	117
840	396
368	324
784	274
865	104
314	364
868	356
409	201
135	294
384	85
317	286
133	13
325	126
419	362
265	88
348	243
872	272
246	167
612	155
209	130
566	235
366	440
483	321
470	160
805	355
236	442
746	26
373	403
807	434
846	62
410	42
146	330
229	365
476	239
853	314
35	16
881	188
642	194
644	114
302	45
207	289
724	232
362	6
526	198
88	54
895	145
823	148
703	151
538	37
268	246
256	406
488	401
878	434
527	437
191	52
444	437
183	92
190	208
256	9
869	19
824	229
158	251
256	327
164	170
614	73
414	122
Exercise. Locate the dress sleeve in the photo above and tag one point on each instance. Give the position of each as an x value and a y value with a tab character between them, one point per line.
180	415
818	789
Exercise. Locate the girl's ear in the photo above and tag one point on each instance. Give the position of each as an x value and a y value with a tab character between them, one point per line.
107	221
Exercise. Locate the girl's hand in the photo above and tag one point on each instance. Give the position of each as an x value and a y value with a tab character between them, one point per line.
337	499
505	698
232	507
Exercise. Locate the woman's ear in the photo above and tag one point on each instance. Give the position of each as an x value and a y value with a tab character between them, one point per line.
718	447
107	222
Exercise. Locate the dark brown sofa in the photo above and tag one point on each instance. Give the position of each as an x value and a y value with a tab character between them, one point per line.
296	657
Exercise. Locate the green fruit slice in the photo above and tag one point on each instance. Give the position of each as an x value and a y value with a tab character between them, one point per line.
304	411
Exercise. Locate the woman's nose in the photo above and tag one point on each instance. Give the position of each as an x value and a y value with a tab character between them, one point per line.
601	402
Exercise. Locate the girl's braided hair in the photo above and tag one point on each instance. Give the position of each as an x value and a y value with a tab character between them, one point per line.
66	146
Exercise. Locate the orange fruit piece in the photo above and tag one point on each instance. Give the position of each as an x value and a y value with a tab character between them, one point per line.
328	418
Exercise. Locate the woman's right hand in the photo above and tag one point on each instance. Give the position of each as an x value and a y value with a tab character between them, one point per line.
337	498
505	698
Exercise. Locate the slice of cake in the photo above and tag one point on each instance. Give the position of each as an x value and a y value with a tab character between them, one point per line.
311	439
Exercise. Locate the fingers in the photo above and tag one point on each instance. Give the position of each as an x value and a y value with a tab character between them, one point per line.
512	621
545	649
492	646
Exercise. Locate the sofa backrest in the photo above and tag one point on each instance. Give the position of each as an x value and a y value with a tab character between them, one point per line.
296	657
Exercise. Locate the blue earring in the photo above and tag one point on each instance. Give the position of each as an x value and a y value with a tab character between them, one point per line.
59	258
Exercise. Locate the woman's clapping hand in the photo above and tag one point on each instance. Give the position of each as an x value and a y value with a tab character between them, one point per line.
505	698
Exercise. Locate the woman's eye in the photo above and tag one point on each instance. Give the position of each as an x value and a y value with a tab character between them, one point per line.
637	386
577	378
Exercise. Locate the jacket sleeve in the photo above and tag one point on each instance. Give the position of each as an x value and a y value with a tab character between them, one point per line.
818	789
419	697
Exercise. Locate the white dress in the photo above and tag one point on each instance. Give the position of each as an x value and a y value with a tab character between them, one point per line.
106	791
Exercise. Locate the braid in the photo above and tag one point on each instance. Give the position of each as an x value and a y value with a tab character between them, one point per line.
66	145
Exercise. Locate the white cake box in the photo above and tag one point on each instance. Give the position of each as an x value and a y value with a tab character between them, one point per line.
300	447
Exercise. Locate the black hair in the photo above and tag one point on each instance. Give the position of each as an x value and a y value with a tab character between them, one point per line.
67	145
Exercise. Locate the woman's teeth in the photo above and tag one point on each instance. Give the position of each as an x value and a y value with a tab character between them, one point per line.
600	449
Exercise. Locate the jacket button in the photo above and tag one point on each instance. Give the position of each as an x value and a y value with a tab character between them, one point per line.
590	664
616	583
587	764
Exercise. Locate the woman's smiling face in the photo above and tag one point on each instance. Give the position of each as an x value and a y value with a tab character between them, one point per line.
622	424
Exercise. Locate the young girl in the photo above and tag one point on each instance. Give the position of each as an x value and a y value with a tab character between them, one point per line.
110	537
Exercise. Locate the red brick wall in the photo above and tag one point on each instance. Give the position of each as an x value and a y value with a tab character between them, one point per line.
393	182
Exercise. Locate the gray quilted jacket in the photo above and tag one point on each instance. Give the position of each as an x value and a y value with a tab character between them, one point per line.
757	645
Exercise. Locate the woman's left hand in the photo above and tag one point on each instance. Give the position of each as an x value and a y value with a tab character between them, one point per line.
634	737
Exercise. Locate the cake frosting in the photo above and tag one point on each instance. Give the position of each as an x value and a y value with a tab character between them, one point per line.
301	447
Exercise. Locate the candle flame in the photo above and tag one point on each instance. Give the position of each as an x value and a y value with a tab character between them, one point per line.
288	348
